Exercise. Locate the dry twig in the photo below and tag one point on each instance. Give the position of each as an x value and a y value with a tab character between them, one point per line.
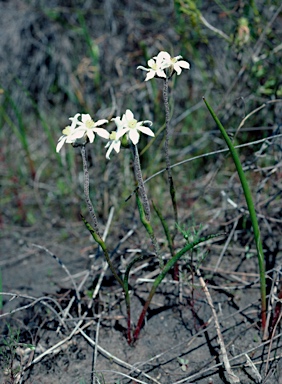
232	378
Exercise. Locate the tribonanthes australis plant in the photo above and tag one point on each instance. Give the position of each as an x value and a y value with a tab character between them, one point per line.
83	131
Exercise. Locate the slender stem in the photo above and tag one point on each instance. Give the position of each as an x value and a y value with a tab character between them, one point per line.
86	192
99	240
252	211
149	229
95	229
168	167
139	178
162	275
102	244
165	228
144	209
167	159
128	312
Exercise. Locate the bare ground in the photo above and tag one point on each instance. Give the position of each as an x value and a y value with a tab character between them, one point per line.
179	324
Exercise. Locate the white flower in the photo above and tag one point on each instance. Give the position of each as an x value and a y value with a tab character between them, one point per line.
67	133
87	127
131	126
162	61
153	70
173	63
114	142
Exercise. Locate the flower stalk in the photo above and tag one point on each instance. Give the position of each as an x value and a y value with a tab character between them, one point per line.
86	193
144	206
167	159
149	229
84	129
140	182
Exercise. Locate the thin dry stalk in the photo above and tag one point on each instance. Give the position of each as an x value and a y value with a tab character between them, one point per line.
253	368
211	154
35	300
271	341
116	359
226	245
67	309
95	352
231	377
134	380
67	272
58	346
243	354
271	304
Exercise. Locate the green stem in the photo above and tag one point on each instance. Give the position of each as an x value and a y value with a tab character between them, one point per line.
139	179
98	239
167	159
162	275
123	283
168	166
87	195
128	312
149	229
144	206
252	211
165	228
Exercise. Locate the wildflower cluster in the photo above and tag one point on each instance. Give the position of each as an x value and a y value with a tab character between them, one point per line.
163	65
83	128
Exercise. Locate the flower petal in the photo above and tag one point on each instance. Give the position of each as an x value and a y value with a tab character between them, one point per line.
161	73
111	147
85	117
129	115
101	122
143	68
74	120
163	60
101	132
121	132
61	138
116	145
152	64
91	135
184	64
146	130
163	56
177	68
60	144
134	136
150	75
77	134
